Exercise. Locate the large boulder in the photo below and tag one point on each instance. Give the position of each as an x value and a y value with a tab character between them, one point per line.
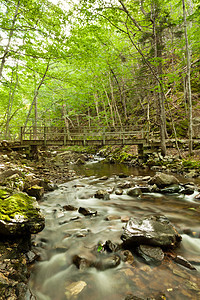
153	230
19	215
162	180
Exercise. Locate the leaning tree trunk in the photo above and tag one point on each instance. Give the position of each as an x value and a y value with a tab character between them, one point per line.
188	80
6	51
34	102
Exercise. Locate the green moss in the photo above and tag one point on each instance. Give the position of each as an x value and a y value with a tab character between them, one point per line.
17	205
3	194
191	164
81	149
118	155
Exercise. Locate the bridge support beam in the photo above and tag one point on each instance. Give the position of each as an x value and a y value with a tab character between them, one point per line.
140	151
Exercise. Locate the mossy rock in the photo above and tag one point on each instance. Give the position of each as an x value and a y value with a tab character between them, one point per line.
36	191
4	193
20	214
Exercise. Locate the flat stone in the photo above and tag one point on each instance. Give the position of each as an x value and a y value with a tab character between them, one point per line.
112	217
74	289
174	188
152	255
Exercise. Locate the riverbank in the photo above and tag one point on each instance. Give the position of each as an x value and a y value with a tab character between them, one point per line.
187	166
19	174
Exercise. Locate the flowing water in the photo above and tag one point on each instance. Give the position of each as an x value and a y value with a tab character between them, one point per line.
69	233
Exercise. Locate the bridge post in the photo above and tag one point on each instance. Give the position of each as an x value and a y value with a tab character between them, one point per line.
21	134
65	137
104	136
140	151
45	136
84	137
123	139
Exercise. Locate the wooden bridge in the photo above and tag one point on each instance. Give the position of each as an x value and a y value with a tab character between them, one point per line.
32	137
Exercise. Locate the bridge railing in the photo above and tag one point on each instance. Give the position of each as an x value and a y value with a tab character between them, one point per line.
84	133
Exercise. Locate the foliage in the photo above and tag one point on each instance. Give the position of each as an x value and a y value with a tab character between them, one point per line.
94	63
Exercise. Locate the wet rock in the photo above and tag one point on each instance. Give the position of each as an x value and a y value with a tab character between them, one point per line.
128	257
36	191
182	261
112	217
197	196
122	175
74	289
174	188
48	186
102	194
83	233
145	189
119	192
188	189
81	262
146	178
87	211
162	180
154	231
152	255
107	262
134	192
31	256
19	215
110	246
69	207
125	219
154	189
125	185
103	178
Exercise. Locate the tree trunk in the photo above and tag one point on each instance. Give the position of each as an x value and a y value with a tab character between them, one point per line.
158	54
114	103
110	106
188	80
66	120
36	94
6	51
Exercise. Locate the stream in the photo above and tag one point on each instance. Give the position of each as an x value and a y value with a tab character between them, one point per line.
70	235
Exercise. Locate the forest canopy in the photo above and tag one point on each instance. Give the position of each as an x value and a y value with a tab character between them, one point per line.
106	63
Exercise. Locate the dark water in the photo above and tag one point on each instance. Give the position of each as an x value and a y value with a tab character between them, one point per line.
69	233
